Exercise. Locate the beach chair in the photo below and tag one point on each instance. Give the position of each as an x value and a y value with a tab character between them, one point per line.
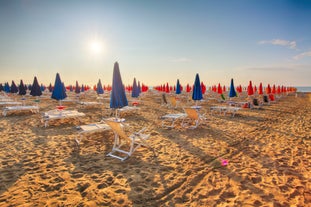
124	146
266	100
193	118
60	114
170	119
164	100
173	102
256	104
33	109
90	128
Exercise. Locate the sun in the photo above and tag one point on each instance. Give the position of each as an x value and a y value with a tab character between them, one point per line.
95	47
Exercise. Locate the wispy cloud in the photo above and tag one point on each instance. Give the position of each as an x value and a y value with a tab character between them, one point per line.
302	55
291	67
285	43
182	59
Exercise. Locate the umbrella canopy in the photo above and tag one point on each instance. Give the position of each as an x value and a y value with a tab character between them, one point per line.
99	89
260	91
59	92
21	88
250	90
117	97
135	90
273	89
268	89
178	91
6	87
14	88
219	89
1	87
77	89
232	92
35	89
197	90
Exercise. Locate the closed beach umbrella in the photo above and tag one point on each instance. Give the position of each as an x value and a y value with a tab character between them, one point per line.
232	92
250	90
117	97
21	88
77	89
178	87
99	89
268	89
197	90
35	89
59	92
260	91
135	90
14	88
1	87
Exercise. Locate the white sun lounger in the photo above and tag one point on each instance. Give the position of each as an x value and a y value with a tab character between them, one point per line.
225	109
64	114
7	103
33	109
170	119
91	128
90	104
127	109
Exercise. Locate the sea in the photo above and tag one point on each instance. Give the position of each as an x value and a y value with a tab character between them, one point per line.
303	88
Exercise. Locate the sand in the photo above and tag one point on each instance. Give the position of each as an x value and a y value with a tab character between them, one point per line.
268	153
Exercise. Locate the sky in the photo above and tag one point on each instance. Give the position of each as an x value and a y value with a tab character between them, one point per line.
156	41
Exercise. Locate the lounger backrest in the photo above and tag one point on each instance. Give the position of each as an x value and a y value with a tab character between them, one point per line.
255	102
173	100
164	98
116	127
265	99
192	113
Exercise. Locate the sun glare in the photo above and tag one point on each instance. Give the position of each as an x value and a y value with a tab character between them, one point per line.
96	47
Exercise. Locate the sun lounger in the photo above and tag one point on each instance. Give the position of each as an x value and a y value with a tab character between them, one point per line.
170	119
60	114
193	118
33	109
91	128
7	103
89	104
224	109
127	109
125	145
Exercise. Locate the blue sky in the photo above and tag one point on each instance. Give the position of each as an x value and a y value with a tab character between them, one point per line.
156	41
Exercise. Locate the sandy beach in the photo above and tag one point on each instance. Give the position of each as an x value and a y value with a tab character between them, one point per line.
268	152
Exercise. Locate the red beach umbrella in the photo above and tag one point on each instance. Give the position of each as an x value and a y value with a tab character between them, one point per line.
268	89
250	90
260	92
273	89
219	89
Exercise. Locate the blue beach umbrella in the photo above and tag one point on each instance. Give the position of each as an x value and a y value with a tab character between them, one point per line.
135	90
178	87
14	88
117	97
50	87
35	89
99	89
77	89
197	90
7	87
59	92
232	92
21	89
1	87
82	88
139	88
